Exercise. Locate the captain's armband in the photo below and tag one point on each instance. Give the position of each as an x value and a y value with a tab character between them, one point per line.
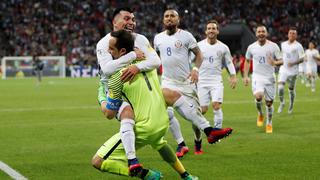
113	104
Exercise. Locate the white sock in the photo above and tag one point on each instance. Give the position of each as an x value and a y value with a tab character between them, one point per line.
313	84
269	114
259	105
281	93
292	95
128	137
174	126
218	118
191	113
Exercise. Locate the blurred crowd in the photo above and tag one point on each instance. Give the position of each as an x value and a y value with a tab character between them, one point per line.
72	28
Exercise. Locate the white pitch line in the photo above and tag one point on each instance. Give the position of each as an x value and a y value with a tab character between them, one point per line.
11	172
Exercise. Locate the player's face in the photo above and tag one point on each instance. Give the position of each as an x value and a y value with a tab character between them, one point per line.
311	45
170	19
124	20
212	31
113	50
292	35
261	33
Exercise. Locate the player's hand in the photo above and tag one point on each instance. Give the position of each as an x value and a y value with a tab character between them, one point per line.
140	55
194	76
270	60
290	64
246	81
233	81
129	73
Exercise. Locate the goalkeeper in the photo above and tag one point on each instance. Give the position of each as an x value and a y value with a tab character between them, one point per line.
144	94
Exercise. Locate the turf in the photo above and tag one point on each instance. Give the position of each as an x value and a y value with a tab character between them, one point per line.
51	131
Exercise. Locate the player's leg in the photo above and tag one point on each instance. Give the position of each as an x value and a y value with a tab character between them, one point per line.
175	130
217	99
127	123
192	113
312	73
270	91
292	91
111	158
166	152
282	78
118	163
313	82
258	92
125	114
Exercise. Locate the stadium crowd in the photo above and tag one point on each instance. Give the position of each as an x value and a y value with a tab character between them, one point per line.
72	28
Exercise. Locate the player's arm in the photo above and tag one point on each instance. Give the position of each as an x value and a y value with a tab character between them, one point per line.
300	59
194	75
317	56
231	69
276	58
152	61
114	98
246	67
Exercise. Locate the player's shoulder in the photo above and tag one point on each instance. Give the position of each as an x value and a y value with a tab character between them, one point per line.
163	33
272	44
202	42
252	45
223	45
184	33
140	37
103	42
298	44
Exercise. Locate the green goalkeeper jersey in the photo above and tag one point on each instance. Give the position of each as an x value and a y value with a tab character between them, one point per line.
145	97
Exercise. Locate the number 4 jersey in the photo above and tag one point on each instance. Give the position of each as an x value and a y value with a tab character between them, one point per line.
262	69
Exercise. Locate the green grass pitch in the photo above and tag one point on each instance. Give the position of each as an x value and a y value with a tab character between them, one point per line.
51	131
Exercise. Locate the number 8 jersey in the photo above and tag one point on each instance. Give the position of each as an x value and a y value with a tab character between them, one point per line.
259	55
175	51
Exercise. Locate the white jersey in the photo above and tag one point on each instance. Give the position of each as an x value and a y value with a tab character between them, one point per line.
213	57
291	52
310	54
109	66
259	55
174	53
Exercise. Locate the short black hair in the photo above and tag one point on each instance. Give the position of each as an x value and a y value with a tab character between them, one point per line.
124	40
118	10
293	28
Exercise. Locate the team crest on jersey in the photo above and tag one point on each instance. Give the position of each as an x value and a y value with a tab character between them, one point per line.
178	44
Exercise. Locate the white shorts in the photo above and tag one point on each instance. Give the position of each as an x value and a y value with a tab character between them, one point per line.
285	77
302	67
187	89
208	93
268	88
311	69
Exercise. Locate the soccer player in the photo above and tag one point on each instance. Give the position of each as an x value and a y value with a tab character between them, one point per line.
37	67
145	96
210	85
123	18
292	55
312	56
178	82
265	55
